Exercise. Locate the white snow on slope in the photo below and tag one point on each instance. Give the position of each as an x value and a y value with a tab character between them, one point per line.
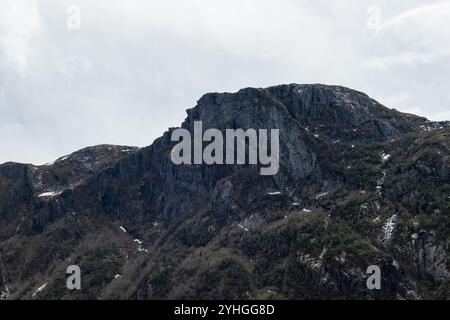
49	194
242	227
388	229
40	289
385	157
141	249
380	183
321	195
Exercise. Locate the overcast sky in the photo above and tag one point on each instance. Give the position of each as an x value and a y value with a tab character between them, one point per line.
132	67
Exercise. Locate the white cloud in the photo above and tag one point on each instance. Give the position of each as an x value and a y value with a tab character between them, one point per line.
411	53
19	22
422	31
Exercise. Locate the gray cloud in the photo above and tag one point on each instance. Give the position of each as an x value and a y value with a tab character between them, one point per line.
134	67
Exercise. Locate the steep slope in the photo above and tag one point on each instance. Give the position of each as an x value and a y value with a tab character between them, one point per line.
359	184
26	193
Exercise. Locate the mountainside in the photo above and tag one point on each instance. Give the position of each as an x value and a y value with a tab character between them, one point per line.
359	184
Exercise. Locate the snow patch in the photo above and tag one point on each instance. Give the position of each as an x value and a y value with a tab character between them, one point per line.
123	229
395	264
49	194
388	229
40	289
385	157
321	195
140	249
380	183
242	227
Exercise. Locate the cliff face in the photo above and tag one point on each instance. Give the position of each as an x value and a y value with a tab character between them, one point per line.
359	184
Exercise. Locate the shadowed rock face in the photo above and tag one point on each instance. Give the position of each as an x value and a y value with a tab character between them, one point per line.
33	187
224	231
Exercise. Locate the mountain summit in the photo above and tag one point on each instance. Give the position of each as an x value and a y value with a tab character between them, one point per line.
359	185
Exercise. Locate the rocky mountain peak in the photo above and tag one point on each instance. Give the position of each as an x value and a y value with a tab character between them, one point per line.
359	184
334	111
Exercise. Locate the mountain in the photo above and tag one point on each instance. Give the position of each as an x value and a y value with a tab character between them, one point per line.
359	184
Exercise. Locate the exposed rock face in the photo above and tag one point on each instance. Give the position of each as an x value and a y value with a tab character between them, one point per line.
16	195
432	258
222	198
341	111
224	231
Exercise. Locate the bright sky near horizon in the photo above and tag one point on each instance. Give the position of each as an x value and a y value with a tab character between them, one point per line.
81	72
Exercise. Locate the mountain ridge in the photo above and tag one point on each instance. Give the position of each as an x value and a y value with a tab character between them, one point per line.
339	163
